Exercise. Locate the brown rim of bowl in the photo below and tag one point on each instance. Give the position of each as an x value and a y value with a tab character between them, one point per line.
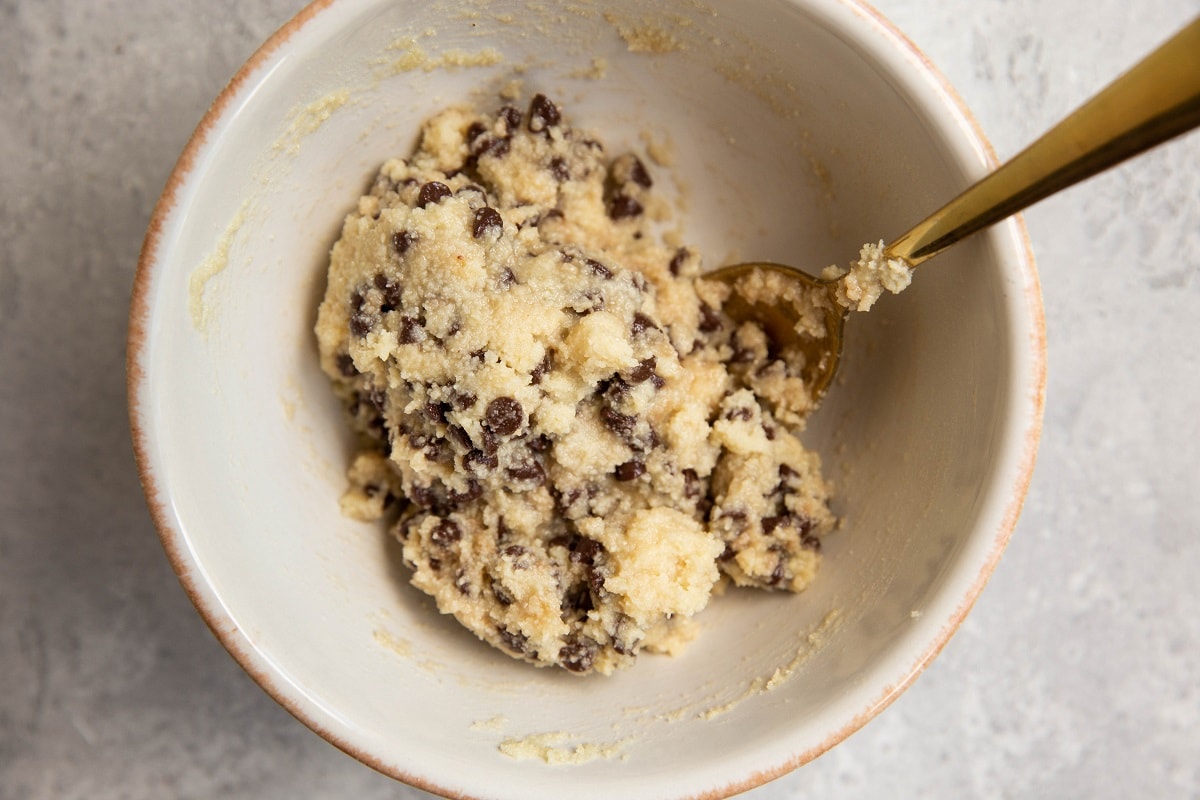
226	631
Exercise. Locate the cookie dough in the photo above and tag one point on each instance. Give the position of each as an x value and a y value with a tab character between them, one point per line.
574	445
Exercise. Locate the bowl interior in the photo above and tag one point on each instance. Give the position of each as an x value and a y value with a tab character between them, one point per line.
796	131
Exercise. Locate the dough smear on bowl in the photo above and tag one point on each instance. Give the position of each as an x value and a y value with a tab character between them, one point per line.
572	442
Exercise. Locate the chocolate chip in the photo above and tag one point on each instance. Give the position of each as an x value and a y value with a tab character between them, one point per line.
542	114
392	293
558	168
777	574
638	174
642	372
540	444
527	471
630	470
401	241
345	365
421	496
739	414
361	324
677	260
620	424
544	366
598	269
622	206
479	355
411	331
502	595
474	131
436	412
487	221
490	146
507	278
446	533
641	323
432	192
519	556
769	432
517	642
464	400
579	655
584	551
473	491
710	320
769	524
810	543
511	117
462	582
480	459
787	472
691	483
504	415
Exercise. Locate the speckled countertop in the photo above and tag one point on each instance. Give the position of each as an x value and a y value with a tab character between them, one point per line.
1077	675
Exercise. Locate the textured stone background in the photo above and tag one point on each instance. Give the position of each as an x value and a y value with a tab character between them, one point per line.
1077	675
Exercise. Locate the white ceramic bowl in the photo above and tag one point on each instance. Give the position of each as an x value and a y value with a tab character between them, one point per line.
800	129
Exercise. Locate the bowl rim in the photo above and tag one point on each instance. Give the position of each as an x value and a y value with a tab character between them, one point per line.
209	604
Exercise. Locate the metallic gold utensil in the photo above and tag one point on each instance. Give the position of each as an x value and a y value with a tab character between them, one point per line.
1156	100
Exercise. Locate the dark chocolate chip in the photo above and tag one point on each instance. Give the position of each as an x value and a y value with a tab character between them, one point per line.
517	642
411	331
620	424
446	533
487	221
622	206
641	323
542	114
460	437
528	471
504	416
630	470
739	414
677	260
642	372
474	131
479	355
473	491
599	269
511	115
579	655
585	551
769	524
401	241
361	324
539	444
787	472
638	174
480	459
345	365
519	555
710	320
810	542
544	366
464	400
490	146
436	412
502	595
432	193
558	168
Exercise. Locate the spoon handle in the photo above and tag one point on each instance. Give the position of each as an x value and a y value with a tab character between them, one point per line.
1151	103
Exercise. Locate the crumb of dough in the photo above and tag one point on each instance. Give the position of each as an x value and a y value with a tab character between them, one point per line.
573	443
869	276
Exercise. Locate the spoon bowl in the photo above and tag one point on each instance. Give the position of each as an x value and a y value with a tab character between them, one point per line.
804	316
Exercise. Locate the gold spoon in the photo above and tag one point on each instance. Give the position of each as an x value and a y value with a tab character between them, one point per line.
1156	100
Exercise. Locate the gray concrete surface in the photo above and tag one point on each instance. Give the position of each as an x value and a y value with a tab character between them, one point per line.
1077	675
